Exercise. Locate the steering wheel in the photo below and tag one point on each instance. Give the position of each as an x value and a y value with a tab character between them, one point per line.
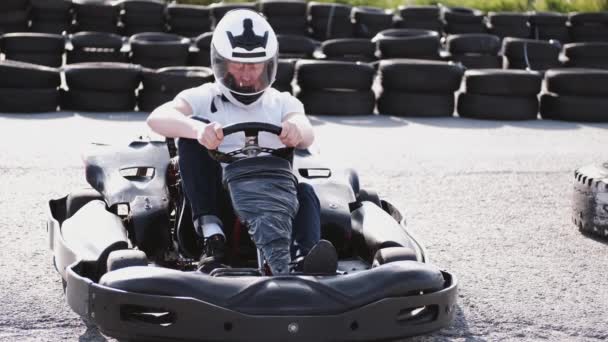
252	147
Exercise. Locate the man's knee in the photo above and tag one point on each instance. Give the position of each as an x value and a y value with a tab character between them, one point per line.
306	193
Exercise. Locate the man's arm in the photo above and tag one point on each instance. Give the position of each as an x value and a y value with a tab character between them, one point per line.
172	119
297	131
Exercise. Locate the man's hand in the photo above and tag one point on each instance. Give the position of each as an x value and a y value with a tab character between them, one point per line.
291	135
210	135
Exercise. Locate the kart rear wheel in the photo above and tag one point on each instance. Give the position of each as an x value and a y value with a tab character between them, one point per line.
369	195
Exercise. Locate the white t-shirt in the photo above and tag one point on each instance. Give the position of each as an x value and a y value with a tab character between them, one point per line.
271	108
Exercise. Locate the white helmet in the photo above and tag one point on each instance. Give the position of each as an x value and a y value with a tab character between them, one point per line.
244	52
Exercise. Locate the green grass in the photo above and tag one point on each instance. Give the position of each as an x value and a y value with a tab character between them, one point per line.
484	5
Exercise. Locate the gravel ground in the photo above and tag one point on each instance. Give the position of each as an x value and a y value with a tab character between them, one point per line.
490	200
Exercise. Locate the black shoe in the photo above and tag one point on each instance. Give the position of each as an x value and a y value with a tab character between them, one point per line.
213	253
322	259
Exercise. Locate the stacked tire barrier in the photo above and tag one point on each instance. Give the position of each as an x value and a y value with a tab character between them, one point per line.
589	27
50	16
157	50
475	50
349	49
500	95
188	20
162	85
96	47
28	87
463	20
284	77
139	16
590	200
13	16
509	24
369	21
549	25
586	55
407	43
37	48
418	88
95	16
218	10
575	95
336	88
295	46
100	87
420	17
285	17
329	21
202	55
528	53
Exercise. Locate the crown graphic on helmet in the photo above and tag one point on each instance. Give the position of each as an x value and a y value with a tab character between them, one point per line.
248	41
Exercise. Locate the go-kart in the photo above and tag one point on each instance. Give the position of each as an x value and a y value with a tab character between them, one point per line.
127	254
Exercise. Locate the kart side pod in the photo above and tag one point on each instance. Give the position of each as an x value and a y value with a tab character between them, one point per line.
91	234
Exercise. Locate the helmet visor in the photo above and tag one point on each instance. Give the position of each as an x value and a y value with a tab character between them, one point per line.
243	78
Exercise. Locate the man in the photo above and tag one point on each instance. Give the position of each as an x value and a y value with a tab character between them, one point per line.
244	52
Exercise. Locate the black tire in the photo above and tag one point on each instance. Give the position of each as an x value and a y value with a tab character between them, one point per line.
14	74
150	99
586	50
548	19
113	77
53	27
312	75
32	42
533	64
103	40
503	82
459	28
289	25
78	198
577	82
420	75
510	31
146	7
419	12
370	196
480	43
473	61
13	5
496	107
317	9
588	63
95	10
373	16
176	79
324	28
559	33
508	19
408	43
410	104
13	21
283	87
95	26
335	102
589	33
189	24
285	72
348	47
514	48
391	254
281	8
83	56
584	18
589	204
294	44
97	101
430	24
52	60
218	10
574	108
462	15
153	42
126	258
51	5
33	100
175	10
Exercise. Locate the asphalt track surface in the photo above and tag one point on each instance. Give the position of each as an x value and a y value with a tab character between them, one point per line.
490	200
